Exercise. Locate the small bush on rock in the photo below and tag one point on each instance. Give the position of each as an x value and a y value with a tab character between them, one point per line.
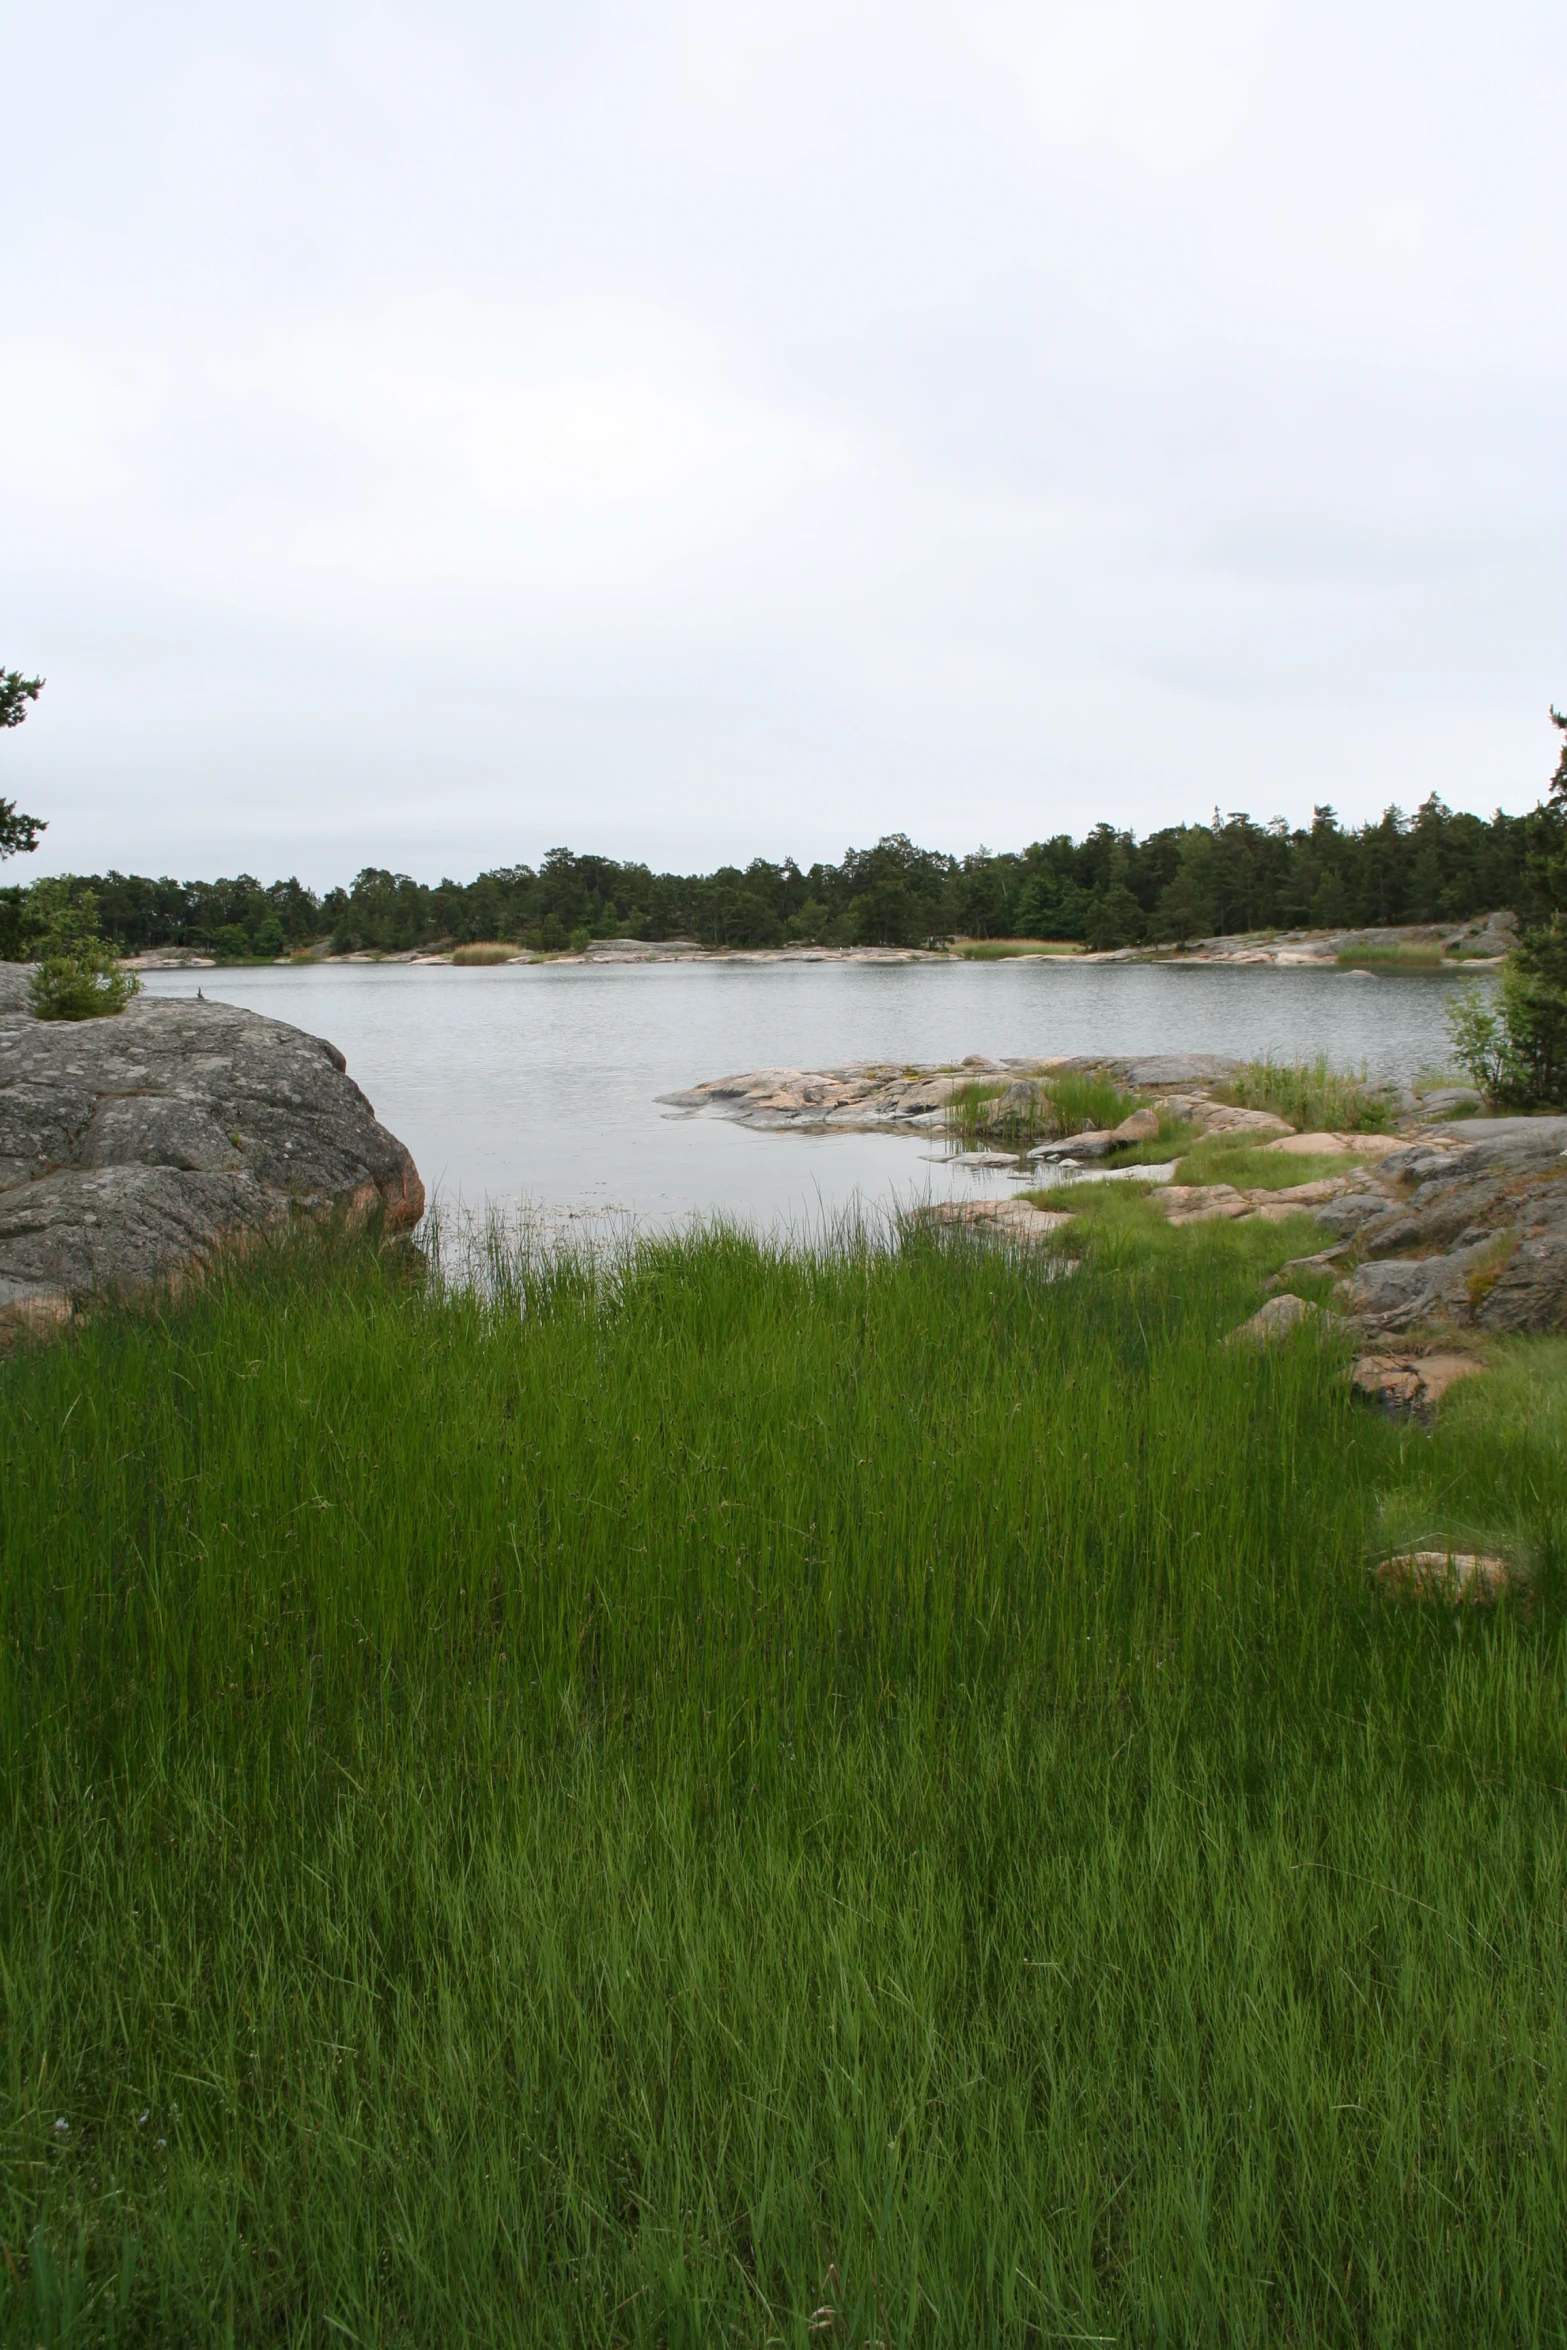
79	976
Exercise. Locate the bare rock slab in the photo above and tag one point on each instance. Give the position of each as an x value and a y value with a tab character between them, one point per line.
130	1147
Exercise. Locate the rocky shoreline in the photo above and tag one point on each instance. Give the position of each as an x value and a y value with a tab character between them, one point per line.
1480	944
917	1096
133	1147
1445	1225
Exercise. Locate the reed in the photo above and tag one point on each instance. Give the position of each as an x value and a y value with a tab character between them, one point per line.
1392	955
1002	950
1313	1096
1023	1110
765	1793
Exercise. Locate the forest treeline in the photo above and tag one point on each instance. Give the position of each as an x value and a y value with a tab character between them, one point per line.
1109	889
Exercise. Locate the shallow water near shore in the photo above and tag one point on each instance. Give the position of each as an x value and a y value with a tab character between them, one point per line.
536	1086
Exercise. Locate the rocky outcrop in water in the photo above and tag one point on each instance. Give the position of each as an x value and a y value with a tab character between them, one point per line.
871	1096
131	1147
1451	1223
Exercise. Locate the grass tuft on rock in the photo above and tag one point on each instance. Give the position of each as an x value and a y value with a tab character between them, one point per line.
1312	1095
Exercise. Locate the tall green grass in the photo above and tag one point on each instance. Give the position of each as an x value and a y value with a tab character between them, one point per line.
1312	1095
1057	1106
1000	950
1392	955
761	1795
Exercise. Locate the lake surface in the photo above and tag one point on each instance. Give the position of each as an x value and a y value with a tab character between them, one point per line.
536	1084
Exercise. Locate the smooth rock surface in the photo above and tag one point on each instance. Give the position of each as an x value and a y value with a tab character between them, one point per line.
132	1146
1139	1126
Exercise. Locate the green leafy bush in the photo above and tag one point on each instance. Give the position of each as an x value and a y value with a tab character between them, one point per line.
1511	1040
79	976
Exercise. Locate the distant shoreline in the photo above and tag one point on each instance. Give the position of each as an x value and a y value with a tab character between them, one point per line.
1481	945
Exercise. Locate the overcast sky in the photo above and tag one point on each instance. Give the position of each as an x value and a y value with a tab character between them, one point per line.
431	433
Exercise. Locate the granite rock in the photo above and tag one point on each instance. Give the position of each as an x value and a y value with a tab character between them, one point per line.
132	1147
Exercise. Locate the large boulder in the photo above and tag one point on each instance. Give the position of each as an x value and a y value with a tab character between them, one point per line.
1474	1235
133	1146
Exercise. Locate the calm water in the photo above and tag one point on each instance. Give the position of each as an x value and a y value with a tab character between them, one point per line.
538	1084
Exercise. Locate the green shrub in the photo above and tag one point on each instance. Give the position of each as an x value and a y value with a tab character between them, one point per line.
79	976
1511	1039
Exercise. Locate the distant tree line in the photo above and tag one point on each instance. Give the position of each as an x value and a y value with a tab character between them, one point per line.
1108	890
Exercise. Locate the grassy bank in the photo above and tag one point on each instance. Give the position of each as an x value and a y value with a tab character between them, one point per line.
746	1792
1393	955
1003	950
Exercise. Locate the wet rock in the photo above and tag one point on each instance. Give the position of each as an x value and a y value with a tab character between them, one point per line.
132	1146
